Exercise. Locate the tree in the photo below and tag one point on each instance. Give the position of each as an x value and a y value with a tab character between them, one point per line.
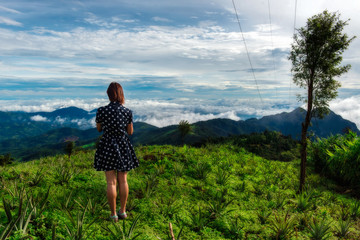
316	55
6	159
184	128
70	145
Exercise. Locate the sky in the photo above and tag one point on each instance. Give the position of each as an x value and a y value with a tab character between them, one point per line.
176	60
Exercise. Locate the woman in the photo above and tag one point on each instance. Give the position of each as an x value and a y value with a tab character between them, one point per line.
115	155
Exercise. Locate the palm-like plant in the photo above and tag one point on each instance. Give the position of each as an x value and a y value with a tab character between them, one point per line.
184	129
283	228
319	230
119	232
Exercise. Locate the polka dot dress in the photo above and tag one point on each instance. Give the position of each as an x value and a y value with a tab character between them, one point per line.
114	151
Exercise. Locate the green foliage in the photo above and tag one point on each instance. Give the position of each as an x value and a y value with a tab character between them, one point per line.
6	159
218	204
70	146
77	229
316	55
119	232
338	158
184	128
282	227
319	230
268	144
202	170
343	228
304	200
199	218
233	198
236	230
63	174
355	210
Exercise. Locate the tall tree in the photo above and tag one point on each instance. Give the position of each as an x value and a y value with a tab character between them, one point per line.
316	57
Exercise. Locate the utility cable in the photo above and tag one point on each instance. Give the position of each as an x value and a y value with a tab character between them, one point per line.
272	46
293	38
247	52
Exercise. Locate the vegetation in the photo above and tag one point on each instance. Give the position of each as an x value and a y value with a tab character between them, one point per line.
338	157
268	144
316	56
217	191
184	129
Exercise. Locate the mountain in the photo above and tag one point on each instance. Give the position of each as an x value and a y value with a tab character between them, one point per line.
25	138
49	143
286	123
69	112
18	125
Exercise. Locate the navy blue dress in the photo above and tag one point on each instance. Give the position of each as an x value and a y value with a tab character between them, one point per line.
114	151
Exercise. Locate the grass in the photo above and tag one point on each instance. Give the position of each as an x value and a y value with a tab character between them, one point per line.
213	192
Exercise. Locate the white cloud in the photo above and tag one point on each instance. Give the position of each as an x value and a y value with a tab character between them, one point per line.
2	8
39	118
84	123
348	108
8	21
46	105
162	113
160	19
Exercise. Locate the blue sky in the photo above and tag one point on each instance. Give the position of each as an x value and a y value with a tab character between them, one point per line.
176	59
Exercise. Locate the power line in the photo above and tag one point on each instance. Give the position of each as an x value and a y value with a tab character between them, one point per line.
247	52
295	16
293	37
272	45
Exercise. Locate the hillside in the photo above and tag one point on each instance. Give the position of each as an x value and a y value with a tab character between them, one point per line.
56	126
18	125
285	123
214	192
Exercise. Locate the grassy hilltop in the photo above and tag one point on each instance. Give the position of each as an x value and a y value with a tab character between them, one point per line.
218	191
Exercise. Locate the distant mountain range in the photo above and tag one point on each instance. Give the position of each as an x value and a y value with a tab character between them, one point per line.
30	135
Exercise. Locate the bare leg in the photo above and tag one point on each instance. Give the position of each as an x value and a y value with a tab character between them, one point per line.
123	190
111	190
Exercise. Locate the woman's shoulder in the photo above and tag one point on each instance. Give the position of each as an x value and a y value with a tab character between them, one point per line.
125	108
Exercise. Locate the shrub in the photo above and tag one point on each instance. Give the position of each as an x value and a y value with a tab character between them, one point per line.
338	157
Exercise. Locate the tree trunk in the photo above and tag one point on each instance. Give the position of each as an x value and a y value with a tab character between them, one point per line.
304	128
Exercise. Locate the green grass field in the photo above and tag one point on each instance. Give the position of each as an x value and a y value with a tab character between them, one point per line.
218	191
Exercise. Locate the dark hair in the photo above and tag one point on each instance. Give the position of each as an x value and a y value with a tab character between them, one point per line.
115	93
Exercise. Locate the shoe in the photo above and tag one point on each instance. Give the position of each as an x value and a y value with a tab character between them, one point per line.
122	215
114	218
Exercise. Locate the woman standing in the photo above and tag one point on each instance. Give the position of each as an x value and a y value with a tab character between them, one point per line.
115	155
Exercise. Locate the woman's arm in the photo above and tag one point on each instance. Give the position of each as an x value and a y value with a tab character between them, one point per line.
98	127
130	129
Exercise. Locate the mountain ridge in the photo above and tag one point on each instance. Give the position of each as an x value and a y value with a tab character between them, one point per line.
45	136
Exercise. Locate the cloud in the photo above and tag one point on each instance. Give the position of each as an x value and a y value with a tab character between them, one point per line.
39	118
49	105
160	19
93	19
2	8
10	22
84	123
348	108
162	113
